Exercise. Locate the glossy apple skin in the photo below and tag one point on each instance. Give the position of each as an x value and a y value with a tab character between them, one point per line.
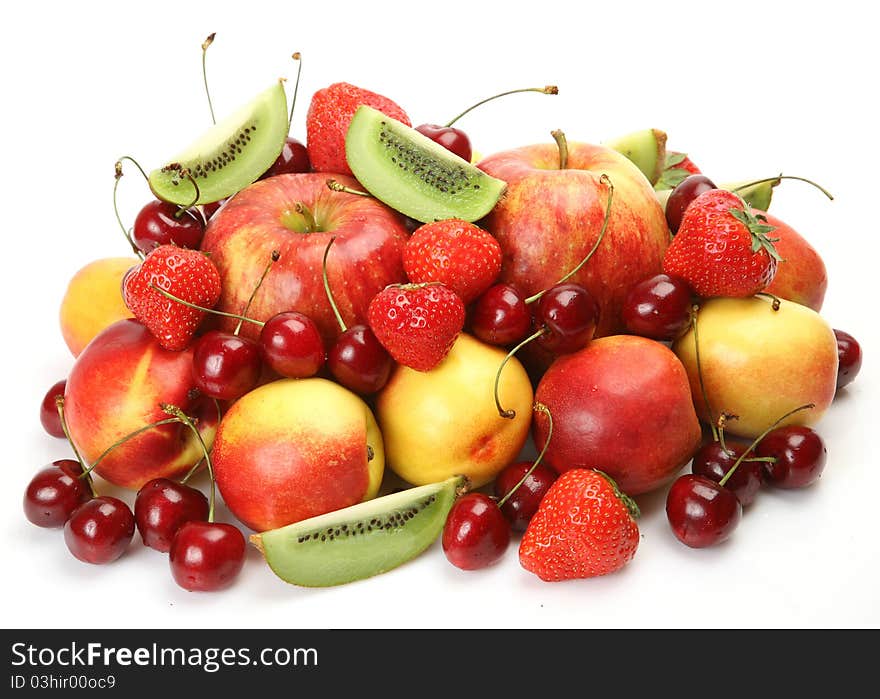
621	405
550	218
296	448
758	363
801	276
115	388
365	258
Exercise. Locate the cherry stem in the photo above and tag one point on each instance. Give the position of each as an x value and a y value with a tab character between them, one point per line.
184	172
695	309
169	295
123	440
275	256
180	416
783	177
547	90
339	187
305	212
775	300
540	407
562	145
722	421
723	481
297	56
510	414
118	176
59	405
327	291
198	464
205	44
604	179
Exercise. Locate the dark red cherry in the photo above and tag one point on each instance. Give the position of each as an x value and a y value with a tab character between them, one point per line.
54	493
291	345
476	534
800	456
451	138
680	198
849	352
206	556
49	417
522	505
713	462
162	506
225	366
162	223
570	314
293	158
658	308
99	530
359	362
701	512
500	316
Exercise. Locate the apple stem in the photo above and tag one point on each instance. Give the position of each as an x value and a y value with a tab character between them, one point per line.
695	309
180	416
338	187
274	258
776	301
510	414
604	179
547	90
783	177
342	326
297	56
205	44
723	481
118	176
169	295
59	405
309	218
539	407
562	145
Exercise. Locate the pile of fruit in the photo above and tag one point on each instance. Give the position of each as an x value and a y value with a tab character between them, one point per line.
300	316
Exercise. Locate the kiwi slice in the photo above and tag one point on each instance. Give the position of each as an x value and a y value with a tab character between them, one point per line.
414	175
362	540
230	155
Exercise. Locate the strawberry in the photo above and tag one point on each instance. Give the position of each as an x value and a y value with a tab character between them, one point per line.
722	248
327	121
416	323
584	527
457	253
675	169
187	274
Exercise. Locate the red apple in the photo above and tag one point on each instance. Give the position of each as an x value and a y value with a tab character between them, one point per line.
621	405
263	217
550	218
115	388
801	276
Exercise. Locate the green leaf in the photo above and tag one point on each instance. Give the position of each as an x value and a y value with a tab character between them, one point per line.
670	179
673	159
757	230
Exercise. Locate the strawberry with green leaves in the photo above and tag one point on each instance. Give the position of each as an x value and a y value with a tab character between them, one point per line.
676	168
584	527
722	247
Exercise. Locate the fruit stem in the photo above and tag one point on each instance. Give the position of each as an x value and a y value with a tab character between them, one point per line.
510	414
722	421
547	90
297	56
118	176
342	326
180	416
169	295
338	187
777	302
783	177
205	44
541	408
695	309
274	258
604	179
308	216
59	405
723	481
123	440
184	172
562	145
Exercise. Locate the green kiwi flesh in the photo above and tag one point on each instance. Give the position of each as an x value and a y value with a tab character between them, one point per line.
230	155
646	149
414	175
359	541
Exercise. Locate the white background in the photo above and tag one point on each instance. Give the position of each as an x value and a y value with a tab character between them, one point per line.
749	91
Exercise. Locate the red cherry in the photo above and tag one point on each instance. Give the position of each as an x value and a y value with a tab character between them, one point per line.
49	417
570	314
523	503
99	530
291	345
501	316
206	556
54	493
658	308
713	462
451	138
476	534
701	512
800	456
293	158
359	362
161	223
680	198
849	353
225	366
162	506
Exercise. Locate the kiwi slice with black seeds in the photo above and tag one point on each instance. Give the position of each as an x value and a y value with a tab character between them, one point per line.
362	540
414	175
229	156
